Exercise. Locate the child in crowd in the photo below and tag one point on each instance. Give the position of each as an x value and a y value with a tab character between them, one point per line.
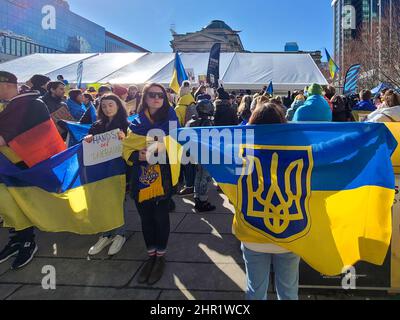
111	115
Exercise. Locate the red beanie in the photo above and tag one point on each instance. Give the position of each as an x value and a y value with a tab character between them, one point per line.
120	91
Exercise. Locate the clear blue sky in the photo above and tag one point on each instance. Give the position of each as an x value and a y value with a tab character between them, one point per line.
266	25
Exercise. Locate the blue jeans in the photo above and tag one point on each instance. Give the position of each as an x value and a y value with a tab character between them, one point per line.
258	265
189	172
201	182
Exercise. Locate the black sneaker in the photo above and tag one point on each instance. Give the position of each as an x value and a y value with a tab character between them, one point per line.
25	255
186	191
158	271
145	272
9	251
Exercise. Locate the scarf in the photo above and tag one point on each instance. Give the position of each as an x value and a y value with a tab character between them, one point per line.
149	181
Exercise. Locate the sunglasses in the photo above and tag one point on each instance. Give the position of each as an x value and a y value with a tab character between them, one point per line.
155	95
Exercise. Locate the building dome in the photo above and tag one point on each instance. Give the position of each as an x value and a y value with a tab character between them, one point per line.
218	24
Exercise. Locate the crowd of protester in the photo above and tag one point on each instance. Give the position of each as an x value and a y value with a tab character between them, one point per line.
108	107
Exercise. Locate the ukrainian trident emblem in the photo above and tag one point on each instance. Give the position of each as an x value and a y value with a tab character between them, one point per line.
274	190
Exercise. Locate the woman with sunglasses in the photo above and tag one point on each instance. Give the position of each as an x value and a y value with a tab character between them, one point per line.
151	184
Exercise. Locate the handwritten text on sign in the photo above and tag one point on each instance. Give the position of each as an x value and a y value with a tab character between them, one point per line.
103	148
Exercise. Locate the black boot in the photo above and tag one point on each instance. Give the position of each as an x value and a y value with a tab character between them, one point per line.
205	206
145	273
158	271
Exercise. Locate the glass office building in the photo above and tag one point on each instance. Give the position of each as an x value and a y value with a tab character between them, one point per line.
365	15
48	26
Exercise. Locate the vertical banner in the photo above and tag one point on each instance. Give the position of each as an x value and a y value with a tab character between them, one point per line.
351	82
79	73
213	65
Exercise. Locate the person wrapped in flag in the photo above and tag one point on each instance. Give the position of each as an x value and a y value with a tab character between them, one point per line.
112	115
28	136
152	184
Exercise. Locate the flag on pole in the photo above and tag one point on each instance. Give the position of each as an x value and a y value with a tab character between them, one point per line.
79	73
270	89
333	68
179	74
351	82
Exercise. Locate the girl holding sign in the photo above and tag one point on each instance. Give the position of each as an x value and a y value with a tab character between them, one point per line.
152	184
112	115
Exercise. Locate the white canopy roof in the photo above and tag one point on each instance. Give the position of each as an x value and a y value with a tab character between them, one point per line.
287	71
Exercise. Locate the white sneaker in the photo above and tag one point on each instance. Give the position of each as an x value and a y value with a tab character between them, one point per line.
100	245
117	244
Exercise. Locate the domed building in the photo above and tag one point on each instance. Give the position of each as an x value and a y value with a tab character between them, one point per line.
216	31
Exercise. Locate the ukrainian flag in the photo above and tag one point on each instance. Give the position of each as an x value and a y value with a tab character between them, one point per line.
333	68
62	195
179	74
322	191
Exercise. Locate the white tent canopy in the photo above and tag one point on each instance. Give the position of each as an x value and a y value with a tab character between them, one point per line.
287	71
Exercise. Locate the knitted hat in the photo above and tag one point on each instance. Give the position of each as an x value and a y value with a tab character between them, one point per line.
315	89
39	80
104	89
7	77
120	91
205	107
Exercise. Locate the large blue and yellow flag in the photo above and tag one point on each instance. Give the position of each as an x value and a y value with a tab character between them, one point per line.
333	68
322	191
61	194
179	75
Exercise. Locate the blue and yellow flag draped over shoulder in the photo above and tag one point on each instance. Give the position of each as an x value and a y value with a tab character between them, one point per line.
322	191
149	182
61	194
179	74
333	68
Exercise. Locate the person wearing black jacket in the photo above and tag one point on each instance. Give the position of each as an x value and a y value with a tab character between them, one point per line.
17	113
39	83
204	118
152	184
112	115
225	114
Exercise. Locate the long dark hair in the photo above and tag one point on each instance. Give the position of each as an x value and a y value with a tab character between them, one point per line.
163	112
120	117
267	113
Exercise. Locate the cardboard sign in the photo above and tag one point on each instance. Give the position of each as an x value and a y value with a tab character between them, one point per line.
103	148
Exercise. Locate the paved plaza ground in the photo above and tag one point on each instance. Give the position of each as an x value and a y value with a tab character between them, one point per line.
204	262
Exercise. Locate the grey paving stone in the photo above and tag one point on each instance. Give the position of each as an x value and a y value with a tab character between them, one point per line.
7	289
134	224
201	276
133	249
207	223
200	295
188	248
83	293
5	266
66	245
204	248
186	204
76	272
